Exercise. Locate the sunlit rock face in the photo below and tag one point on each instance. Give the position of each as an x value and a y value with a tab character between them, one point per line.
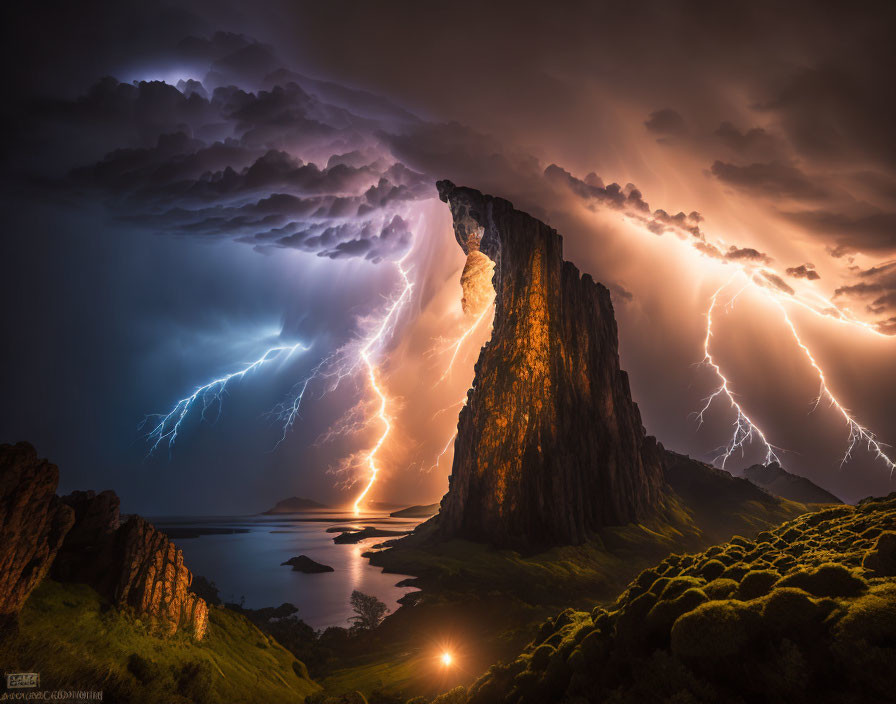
550	444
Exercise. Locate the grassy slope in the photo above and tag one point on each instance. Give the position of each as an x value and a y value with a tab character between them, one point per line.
73	639
806	612
486	602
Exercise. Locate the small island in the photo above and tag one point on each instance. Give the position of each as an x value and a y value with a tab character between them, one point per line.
303	563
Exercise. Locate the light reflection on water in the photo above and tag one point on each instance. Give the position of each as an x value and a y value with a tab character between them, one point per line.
248	564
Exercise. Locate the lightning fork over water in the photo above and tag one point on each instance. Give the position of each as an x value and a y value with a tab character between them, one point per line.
211	394
366	355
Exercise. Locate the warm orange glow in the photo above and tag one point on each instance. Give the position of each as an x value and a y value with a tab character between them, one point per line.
460	341
744	428
447	659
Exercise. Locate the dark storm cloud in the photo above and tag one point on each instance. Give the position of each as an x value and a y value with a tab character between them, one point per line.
872	232
755	142
630	200
708	249
771	180
876	289
666	122
593	191
838	110
619	293
803	271
218	161
748	254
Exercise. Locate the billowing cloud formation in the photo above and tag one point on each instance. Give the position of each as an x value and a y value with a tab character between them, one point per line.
877	289
222	161
629	200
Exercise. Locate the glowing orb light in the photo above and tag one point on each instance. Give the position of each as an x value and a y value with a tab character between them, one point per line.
447	659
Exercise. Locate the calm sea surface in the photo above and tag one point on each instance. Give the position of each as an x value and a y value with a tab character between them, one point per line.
247	564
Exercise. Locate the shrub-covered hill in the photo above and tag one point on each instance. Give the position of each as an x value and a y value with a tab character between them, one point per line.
806	612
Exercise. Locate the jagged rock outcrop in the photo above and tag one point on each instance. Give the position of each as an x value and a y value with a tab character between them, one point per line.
151	578
550	444
33	523
80	539
133	565
778	481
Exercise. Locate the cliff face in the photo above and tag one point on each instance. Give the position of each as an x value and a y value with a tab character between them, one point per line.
132	565
550	444
152	579
79	537
33	523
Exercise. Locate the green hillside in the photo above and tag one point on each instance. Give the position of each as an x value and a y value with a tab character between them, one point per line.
76	641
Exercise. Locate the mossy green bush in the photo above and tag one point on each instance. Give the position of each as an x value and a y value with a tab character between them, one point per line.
720	588
756	583
806	612
830	579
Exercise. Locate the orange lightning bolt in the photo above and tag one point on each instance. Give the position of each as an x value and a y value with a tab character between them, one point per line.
382	412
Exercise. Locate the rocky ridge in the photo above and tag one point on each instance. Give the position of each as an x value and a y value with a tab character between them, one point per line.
79	538
778	481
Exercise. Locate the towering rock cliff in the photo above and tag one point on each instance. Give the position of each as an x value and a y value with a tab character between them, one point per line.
550	444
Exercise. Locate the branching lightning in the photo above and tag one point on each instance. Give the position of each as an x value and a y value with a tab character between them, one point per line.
745	430
344	363
366	355
857	432
211	394
458	343
332	370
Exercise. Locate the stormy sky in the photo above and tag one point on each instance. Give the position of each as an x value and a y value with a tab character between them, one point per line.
189	185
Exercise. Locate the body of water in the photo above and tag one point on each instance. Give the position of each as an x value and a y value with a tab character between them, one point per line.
245	563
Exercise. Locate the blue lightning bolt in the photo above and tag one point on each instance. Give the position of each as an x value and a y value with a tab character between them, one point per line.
168	424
